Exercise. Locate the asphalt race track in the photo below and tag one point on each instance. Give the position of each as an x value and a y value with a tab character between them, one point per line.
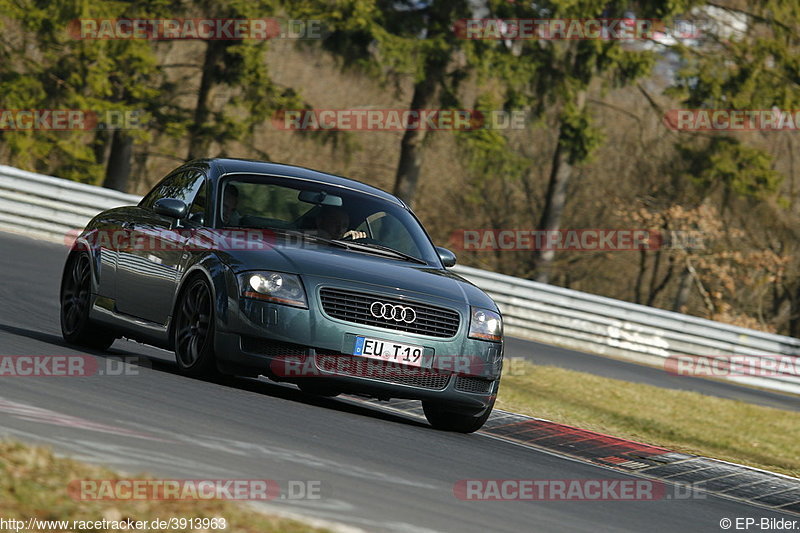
378	471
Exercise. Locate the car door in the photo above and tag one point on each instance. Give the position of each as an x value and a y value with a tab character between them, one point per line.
149	269
105	242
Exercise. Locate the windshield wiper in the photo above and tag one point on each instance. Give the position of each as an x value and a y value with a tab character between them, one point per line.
315	238
380	247
352	245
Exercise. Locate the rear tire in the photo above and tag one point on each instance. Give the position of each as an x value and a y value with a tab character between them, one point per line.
76	297
444	419
193	334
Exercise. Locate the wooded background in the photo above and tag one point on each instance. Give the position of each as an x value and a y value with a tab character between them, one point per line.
595	151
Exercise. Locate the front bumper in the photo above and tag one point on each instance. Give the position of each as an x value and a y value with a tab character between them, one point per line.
257	337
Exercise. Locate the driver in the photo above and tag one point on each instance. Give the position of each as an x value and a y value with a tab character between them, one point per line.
332	223
230	201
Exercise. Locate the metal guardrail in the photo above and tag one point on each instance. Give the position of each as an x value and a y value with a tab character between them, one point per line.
606	326
50	208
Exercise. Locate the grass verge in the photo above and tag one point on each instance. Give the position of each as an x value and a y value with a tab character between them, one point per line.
33	484
684	421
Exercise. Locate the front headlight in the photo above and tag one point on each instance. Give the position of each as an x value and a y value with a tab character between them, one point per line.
485	325
277	287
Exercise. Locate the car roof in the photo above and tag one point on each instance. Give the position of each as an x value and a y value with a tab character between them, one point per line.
220	166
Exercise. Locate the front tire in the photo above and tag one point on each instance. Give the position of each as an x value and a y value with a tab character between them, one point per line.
76	297
194	331
444	419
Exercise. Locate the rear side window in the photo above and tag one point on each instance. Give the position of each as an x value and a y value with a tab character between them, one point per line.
157	191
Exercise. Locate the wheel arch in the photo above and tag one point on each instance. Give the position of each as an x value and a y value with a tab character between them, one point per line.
81	246
213	271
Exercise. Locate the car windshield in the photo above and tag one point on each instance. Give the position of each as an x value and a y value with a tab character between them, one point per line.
323	212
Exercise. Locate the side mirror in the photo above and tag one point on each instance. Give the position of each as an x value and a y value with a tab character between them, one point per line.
448	258
171	207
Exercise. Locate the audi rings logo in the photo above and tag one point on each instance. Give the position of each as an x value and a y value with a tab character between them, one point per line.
398	313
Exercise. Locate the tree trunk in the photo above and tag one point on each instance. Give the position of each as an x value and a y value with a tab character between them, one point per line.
102	146
118	169
555	200
656	289
794	313
411	150
684	288
637	286
199	137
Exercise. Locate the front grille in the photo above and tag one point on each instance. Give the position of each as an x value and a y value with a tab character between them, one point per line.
272	348
474	385
347	365
355	307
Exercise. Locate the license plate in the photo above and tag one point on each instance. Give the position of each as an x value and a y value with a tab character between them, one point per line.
395	352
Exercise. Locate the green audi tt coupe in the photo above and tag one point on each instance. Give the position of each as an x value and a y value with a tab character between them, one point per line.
261	269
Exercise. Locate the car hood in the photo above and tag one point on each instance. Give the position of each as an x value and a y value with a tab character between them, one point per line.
367	269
